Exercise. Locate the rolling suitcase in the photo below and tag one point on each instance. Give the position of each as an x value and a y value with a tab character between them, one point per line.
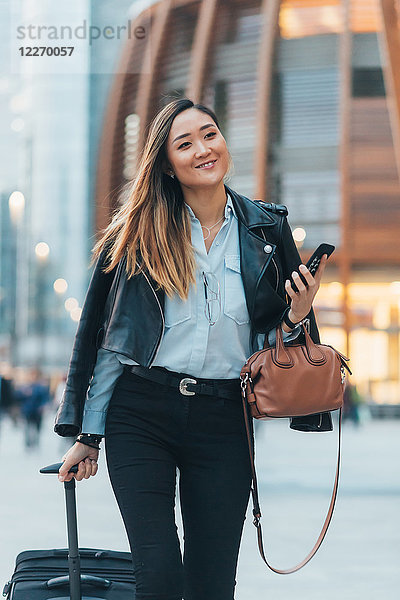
74	573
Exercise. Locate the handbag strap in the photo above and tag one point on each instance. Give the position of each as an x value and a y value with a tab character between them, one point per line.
256	505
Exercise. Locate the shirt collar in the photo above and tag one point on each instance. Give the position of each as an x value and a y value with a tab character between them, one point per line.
229	208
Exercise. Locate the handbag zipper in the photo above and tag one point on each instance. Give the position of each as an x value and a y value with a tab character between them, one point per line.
163	321
256	354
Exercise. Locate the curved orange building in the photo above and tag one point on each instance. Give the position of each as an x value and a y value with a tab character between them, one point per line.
308	96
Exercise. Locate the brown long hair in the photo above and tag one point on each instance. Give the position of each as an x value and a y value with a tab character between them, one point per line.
152	222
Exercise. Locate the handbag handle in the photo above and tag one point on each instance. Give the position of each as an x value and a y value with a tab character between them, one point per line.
256	505
315	355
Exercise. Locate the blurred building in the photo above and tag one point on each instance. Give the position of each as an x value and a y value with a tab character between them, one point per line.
305	91
104	56
49	122
7	277
46	174
10	125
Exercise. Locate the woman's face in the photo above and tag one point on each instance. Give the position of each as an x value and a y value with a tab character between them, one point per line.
194	140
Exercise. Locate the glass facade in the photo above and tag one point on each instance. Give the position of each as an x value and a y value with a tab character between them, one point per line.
305	172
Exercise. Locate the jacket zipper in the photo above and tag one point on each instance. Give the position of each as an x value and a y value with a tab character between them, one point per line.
163	321
275	265
306	321
277	273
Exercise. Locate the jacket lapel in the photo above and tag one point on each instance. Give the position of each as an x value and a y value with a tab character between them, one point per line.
249	212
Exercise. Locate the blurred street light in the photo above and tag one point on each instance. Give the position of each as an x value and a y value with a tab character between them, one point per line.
60	286
42	251
299	234
70	304
76	313
16	203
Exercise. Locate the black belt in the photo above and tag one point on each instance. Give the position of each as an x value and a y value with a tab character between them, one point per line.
189	385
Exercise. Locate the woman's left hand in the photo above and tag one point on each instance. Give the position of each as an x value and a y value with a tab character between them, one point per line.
302	300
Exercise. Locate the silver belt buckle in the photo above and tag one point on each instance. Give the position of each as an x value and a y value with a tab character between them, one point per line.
182	386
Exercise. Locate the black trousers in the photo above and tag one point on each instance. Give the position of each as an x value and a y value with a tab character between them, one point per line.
151	431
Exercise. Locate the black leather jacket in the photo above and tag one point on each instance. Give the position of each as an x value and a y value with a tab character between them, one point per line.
126	316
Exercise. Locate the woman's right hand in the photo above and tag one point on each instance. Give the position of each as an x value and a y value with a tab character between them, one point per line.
86	456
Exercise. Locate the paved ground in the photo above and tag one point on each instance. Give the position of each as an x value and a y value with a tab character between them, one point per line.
359	558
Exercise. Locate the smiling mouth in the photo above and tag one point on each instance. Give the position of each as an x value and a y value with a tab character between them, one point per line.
206	165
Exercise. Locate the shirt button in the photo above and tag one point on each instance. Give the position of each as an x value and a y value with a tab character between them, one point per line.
217	243
268	249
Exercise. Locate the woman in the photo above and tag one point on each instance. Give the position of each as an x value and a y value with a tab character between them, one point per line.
190	276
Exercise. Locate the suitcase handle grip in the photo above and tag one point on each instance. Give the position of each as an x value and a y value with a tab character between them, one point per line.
53	469
99	582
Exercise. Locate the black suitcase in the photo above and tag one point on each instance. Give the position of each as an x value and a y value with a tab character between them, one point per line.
73	573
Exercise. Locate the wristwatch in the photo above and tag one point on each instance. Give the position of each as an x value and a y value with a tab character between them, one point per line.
288	322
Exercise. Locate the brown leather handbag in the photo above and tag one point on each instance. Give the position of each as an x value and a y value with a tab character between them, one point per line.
290	381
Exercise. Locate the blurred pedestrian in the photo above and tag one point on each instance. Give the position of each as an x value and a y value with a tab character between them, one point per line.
8	403
351	404
33	397
166	355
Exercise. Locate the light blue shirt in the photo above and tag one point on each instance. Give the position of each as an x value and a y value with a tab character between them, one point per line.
190	344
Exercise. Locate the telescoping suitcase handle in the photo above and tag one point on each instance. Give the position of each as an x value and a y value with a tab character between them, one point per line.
53	469
75	578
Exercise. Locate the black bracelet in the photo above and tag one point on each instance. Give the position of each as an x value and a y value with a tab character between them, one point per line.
87	444
95	437
90	439
288	322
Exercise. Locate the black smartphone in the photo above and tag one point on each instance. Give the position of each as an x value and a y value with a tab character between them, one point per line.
314	260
